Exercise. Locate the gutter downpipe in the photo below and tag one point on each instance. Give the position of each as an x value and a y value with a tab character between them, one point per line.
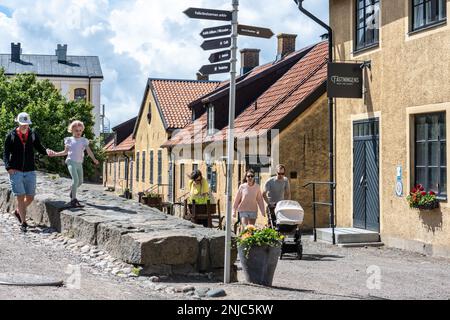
331	114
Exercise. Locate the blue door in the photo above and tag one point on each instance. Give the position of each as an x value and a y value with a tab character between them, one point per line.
366	191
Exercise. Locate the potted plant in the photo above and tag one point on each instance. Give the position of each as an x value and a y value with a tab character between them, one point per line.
422	200
259	252
153	200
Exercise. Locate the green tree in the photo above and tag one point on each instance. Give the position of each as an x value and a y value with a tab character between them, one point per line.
51	114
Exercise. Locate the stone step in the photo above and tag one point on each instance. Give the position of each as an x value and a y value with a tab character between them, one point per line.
361	245
348	236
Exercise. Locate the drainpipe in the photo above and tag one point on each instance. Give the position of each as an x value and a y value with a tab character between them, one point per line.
330	110
127	167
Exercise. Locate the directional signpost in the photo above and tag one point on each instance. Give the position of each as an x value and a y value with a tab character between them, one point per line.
208	14
230	43
216	68
257	32
216	32
220	43
220	56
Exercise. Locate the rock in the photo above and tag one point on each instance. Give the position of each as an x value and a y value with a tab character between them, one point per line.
202	292
85	249
115	272
217	293
72	241
190	293
154	279
188	289
127	270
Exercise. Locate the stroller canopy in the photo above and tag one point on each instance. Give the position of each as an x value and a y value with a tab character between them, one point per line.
289	213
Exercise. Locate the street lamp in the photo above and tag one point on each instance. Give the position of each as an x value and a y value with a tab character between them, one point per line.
330	110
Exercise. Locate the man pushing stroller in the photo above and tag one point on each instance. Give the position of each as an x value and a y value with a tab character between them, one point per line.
277	189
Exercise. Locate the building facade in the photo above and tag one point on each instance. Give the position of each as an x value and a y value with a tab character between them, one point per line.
396	136
164	110
118	166
281	117
77	77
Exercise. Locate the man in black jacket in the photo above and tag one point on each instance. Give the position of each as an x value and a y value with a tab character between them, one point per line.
20	146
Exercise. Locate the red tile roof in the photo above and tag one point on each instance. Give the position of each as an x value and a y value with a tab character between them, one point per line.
174	96
127	145
266	113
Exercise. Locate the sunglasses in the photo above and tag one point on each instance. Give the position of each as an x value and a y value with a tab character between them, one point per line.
250	176
281	173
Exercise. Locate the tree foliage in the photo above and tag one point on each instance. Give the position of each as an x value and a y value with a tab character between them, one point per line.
51	114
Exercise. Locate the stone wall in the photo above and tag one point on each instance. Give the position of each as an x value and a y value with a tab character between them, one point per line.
139	235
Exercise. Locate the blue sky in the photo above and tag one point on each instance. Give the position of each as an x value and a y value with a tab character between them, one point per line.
138	39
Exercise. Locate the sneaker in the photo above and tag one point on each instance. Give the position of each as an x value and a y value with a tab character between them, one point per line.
76	204
24	228
17	215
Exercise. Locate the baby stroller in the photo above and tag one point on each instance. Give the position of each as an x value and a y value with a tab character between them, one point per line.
287	218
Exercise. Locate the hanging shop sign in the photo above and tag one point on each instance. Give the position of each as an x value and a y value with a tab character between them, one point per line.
345	80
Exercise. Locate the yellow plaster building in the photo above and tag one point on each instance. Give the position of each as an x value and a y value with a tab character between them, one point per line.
396	137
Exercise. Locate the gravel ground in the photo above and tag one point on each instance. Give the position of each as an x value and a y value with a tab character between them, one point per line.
326	272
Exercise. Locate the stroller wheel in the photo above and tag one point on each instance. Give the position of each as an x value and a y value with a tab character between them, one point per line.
300	252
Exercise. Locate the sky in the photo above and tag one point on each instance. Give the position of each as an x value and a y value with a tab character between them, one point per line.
141	39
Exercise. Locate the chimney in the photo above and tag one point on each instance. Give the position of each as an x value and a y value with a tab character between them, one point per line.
16	51
249	60
61	53
202	77
286	44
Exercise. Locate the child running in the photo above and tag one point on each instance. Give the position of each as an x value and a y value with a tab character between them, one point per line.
75	147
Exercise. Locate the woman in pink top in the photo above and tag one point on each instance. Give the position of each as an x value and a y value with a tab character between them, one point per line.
248	199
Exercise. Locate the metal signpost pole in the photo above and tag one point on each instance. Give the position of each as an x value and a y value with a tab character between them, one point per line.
231	154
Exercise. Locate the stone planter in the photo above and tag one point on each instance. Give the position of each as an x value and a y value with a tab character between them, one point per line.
260	264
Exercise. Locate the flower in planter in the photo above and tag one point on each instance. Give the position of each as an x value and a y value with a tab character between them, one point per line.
254	237
420	199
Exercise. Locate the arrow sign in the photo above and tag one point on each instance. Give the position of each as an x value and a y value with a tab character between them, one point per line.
257	32
216	44
216	32
220	56
209	14
215	68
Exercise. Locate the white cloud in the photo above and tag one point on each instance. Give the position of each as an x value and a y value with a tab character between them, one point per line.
137	39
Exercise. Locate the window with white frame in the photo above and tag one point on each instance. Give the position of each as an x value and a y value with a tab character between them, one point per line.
430	163
367	23
426	13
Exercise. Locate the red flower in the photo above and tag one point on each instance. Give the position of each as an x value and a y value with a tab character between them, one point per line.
432	193
424	193
414	190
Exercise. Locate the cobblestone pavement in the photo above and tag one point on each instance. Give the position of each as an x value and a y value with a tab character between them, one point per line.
325	273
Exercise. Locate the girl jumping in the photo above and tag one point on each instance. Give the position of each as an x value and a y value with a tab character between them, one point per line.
75	148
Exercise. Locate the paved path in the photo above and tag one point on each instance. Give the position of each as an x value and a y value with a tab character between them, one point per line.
326	273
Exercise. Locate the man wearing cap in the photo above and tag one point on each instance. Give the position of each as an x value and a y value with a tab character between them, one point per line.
20	146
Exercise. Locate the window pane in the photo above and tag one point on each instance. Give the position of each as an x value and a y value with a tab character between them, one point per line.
443	129
421	128
443	181
433	153
421	176
442	9
421	154
443	154
433	127
433	184
418	16
360	38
